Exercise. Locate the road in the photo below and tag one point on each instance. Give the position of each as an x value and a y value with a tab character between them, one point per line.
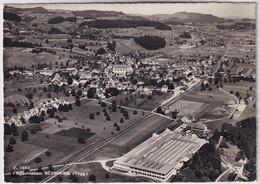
219	141
112	81
218	64
226	164
219	119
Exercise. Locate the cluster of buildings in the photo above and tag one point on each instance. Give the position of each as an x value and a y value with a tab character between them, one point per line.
44	106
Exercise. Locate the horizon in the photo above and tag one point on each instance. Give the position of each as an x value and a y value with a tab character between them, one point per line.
222	10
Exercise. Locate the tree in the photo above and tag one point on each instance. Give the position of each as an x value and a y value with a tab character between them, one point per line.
77	103
60	178
7	129
103	104
174	114
49	95
81	140
37	160
50	168
44	89
237	94
108	118
12	141
14	110
92	178
115	125
48	153
231	92
9	148
134	112
13	127
70	80
121	120
118	128
107	175
91	116
91	92
24	136
159	110
70	107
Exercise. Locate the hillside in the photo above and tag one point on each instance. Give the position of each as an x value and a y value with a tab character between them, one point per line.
92	14
20	10
185	17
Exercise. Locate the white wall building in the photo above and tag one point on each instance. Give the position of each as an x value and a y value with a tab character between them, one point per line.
160	157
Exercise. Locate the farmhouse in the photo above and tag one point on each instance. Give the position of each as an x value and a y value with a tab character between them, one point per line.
122	70
161	156
164	88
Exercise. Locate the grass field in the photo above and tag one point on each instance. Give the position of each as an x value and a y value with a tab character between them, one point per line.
16	56
140	101
75	132
215	96
185	107
242	88
142	131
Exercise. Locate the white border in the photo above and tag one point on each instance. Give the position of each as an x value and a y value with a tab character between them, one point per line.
122	1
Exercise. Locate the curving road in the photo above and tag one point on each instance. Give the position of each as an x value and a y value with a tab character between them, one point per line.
218	119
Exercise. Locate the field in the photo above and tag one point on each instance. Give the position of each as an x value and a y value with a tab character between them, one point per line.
17	56
241	51
208	104
142	131
75	132
60	138
185	107
242	87
141	101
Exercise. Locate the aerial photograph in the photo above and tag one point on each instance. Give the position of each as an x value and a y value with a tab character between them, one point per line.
129	92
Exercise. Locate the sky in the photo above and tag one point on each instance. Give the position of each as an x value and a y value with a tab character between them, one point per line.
225	10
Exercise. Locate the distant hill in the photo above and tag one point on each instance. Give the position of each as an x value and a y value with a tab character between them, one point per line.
194	18
96	14
104	24
20	10
185	17
92	14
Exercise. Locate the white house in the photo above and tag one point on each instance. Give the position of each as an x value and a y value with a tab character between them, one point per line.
122	70
164	88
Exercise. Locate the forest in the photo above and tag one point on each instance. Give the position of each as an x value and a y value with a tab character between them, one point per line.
104	24
150	42
243	135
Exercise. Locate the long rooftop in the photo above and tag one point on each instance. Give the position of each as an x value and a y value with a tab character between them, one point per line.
162	153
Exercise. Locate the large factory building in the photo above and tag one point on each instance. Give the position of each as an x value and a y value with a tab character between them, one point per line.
161	156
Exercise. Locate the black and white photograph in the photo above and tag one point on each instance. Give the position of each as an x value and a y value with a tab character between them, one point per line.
106	92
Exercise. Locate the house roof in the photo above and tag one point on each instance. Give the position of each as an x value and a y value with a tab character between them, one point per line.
121	66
